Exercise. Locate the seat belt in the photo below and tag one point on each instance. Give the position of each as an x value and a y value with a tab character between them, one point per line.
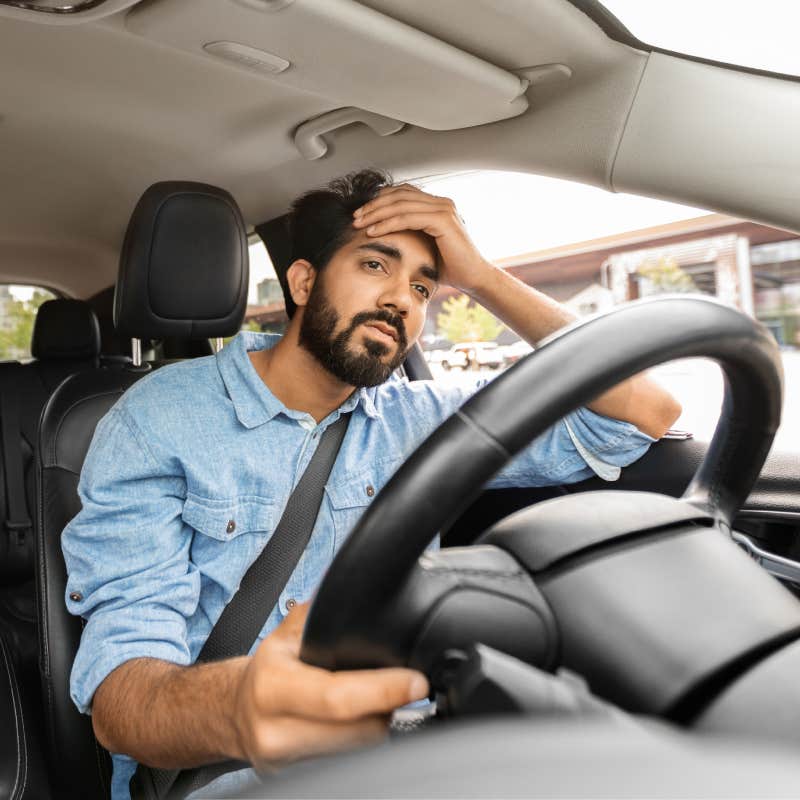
18	521
247	611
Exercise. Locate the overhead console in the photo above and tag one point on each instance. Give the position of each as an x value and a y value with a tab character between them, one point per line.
344	52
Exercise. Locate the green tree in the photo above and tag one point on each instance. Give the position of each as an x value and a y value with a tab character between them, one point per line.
461	321
15	340
665	275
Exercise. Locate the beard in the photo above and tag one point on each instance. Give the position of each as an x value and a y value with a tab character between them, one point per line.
338	353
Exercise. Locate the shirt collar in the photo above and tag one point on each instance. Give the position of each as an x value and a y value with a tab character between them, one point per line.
253	402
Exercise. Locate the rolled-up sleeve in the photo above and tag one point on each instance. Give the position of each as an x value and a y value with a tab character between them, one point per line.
577	447
127	557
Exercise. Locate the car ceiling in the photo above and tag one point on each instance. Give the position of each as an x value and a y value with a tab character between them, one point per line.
93	112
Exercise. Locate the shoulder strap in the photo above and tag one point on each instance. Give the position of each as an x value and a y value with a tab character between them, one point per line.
245	614
18	521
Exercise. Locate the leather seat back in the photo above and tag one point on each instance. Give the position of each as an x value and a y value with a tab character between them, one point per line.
79	767
180	235
22	776
66	340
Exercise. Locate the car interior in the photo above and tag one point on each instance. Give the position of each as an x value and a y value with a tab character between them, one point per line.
145	143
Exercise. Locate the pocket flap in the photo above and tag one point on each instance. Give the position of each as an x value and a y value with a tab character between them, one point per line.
228	518
351	493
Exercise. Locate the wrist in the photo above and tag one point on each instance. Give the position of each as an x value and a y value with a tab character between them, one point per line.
479	280
237	709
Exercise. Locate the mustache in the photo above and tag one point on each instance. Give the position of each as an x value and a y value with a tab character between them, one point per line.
395	320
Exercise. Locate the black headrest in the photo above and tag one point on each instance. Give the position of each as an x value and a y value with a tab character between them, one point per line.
184	266
65	329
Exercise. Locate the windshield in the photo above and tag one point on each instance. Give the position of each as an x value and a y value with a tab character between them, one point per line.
756	35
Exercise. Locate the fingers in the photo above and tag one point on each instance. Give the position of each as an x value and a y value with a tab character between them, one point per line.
405	192
434	223
285	685
289	634
280	740
400	209
297	689
286	710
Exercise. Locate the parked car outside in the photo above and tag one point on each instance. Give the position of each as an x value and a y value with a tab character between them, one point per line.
514	352
473	355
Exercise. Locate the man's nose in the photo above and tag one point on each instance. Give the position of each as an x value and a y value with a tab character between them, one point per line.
396	299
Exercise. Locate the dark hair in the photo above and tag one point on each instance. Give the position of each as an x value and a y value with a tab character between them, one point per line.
321	221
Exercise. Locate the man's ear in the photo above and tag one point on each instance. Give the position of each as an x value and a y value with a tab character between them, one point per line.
300	278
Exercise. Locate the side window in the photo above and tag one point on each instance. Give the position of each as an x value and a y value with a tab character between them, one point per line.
265	306
18	307
592	250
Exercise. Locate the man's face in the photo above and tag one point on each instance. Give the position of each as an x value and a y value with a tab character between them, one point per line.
368	305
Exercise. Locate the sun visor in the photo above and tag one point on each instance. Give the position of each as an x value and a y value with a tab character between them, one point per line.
342	51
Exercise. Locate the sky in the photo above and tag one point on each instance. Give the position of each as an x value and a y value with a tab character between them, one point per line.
762	34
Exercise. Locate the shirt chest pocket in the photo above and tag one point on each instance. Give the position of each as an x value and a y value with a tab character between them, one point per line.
229	533
350	496
349	500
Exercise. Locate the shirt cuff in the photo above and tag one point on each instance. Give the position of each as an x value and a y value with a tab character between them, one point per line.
608	472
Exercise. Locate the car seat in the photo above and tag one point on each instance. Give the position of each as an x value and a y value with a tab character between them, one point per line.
22	775
65	340
184	273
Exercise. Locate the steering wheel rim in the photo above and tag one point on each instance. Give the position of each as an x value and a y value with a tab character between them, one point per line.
450	468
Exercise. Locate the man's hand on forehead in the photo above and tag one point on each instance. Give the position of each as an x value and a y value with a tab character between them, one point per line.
406	208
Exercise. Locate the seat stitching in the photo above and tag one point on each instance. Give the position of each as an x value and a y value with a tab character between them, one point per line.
42	574
44	606
24	753
14	706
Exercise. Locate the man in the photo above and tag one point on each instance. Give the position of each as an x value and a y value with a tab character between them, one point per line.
189	473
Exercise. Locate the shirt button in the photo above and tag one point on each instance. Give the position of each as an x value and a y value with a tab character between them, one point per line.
290	603
76	597
231	526
370	490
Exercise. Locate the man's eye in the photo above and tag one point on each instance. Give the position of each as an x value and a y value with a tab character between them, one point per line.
423	290
373	265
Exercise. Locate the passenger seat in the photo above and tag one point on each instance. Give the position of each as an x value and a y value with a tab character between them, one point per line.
66	340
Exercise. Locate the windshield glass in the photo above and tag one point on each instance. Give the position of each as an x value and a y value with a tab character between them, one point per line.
757	35
592	250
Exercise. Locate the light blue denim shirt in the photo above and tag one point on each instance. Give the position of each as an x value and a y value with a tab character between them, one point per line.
187	477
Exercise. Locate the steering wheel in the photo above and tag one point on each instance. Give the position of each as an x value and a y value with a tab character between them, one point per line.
386	602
